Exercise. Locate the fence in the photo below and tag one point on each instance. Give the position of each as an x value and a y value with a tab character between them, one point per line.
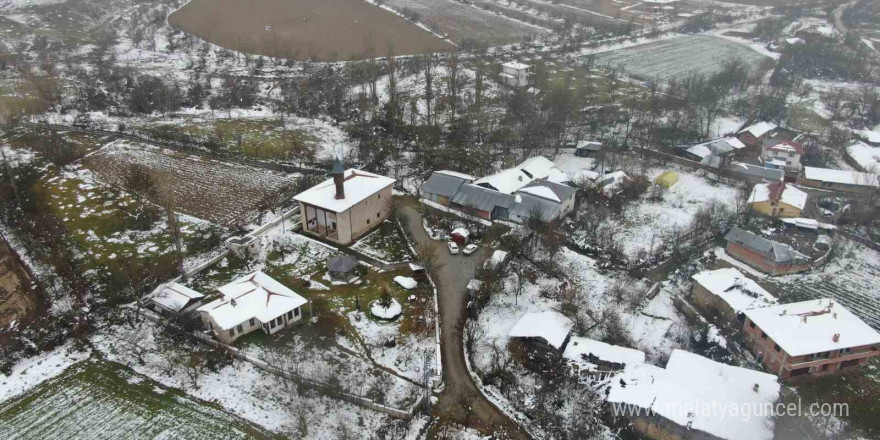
193	148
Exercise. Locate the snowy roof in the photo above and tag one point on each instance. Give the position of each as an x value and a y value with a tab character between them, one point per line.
788	147
474	285
778	192
841	176
579	349
512	179
498	257
461	231
759	129
872	137
358	186
552	327
716	147
739	292
557	176
464	176
589	145
810	326
808	223
442	184
758	171
255	295
691	382
515	65
174	296
556	192
866	156
778	252
793	40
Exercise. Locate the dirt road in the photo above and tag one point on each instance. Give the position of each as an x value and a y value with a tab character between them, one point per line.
451	283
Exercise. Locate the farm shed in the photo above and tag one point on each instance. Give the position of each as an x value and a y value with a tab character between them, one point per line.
253	302
543	335
441	186
655	399
757	173
174	298
724	293
346	206
814	337
588	148
777	200
667	179
839	180
765	255
712	153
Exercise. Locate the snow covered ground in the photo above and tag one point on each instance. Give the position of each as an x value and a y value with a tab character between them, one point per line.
30	372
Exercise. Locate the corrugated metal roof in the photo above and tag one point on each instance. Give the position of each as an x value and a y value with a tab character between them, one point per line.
484	199
527	203
442	184
780	253
758	171
561	191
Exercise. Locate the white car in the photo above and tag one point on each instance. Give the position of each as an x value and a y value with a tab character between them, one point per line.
453	248
469	249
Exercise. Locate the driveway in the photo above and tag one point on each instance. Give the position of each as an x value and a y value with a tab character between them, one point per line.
451	282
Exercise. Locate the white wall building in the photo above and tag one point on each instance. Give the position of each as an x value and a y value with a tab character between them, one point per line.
515	74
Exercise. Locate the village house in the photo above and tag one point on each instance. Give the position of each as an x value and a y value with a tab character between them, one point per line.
765	255
777	199
864	157
677	402
481	202
658	6
175	298
544	200
716	152
839	180
785	155
515	74
723	294
253	302
346	206
441	186
814	337
754	135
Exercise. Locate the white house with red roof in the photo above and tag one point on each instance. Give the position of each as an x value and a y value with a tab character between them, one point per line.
347	206
253	302
785	155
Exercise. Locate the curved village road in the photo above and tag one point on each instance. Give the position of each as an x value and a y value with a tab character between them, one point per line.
451	282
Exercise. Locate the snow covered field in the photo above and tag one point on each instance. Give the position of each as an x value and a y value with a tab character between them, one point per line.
678	57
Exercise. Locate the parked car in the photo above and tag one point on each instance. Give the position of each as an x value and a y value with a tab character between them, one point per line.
453	248
469	249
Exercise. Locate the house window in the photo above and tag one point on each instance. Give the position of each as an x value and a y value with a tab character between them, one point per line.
379	196
752	324
377	215
279	320
290	315
763	335
800	372
272	323
210	325
252	322
240	329
296	311
776	347
781	209
231	332
368	221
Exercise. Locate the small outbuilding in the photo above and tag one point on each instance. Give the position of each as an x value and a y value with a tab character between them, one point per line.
341	267
460	236
175	298
588	148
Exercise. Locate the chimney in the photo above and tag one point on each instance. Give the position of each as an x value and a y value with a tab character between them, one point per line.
756	387
836	337
232	301
338	178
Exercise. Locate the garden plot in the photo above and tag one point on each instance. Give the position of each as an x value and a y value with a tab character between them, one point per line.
458	21
101	400
385	244
678	57
218	191
853	278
